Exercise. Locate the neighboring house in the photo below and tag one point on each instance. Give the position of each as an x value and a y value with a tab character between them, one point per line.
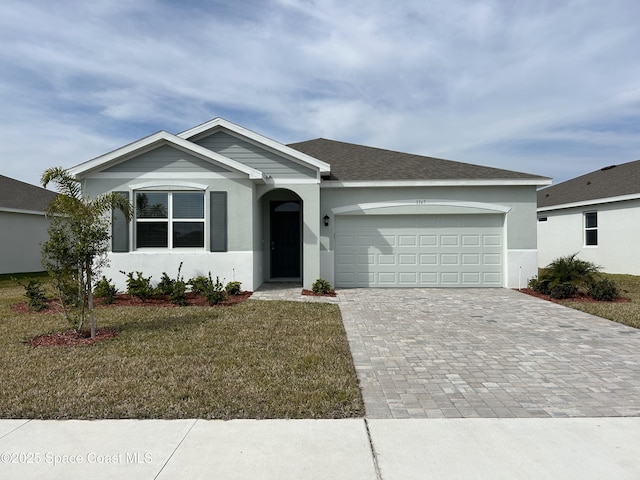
222	199
23	225
596	215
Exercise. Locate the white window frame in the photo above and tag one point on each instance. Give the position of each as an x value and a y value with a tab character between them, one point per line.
170	220
590	229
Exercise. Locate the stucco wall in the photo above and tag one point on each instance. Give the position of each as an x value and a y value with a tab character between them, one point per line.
21	236
235	264
618	231
519	204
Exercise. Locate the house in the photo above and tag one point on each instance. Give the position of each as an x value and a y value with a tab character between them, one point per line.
23	225
596	215
223	199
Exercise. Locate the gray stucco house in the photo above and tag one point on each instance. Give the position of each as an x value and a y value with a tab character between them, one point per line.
23	225
223	199
596	215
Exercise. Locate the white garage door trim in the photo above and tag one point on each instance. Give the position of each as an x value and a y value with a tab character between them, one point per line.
419	250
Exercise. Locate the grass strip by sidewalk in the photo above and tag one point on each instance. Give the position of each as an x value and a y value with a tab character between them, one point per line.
254	360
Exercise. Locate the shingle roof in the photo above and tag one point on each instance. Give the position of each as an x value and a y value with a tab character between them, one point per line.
351	162
611	181
18	195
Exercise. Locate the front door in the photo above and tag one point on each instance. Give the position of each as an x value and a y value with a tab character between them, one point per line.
285	239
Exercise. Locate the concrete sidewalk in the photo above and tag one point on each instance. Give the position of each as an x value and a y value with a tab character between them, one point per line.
387	449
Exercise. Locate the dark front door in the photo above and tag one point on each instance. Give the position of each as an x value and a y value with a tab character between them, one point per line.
285	239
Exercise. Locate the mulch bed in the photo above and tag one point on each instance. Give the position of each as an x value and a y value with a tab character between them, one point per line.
71	337
580	298
311	293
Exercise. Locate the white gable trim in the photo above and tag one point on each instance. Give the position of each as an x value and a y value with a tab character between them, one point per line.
174	185
586	203
420	203
216	123
154	141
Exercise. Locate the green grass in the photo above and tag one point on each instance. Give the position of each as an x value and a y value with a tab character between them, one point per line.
253	360
627	313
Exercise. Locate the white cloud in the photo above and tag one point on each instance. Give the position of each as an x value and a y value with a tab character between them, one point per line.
511	84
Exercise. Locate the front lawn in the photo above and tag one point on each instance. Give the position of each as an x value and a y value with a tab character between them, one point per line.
253	360
627	312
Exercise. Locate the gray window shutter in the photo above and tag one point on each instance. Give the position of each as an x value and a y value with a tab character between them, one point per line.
119	229
218	223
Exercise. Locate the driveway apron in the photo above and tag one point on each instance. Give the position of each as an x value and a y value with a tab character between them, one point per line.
451	353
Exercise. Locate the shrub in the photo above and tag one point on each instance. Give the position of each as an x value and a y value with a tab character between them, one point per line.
215	292
139	287
321	286
200	284
563	290
36	299
540	286
106	290
178	294
165	285
569	269
603	290
233	288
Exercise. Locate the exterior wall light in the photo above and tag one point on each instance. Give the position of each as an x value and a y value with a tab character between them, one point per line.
326	220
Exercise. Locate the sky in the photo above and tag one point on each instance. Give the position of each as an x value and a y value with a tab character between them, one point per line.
547	87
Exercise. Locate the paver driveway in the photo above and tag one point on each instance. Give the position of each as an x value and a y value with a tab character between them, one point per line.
441	353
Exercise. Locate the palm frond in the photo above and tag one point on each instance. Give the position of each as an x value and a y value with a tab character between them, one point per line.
66	184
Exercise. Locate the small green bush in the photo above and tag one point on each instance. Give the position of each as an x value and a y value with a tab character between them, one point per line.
178	294
106	290
200	284
603	290
540	286
233	288
563	290
34	291
321	286
139	286
165	285
216	292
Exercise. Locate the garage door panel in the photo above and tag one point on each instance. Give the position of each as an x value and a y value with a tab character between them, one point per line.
449	240
407	259
413	250
428	240
471	259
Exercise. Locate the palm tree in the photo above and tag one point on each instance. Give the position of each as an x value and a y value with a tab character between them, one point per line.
78	236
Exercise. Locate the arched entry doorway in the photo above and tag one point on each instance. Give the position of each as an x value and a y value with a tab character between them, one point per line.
285	238
283	235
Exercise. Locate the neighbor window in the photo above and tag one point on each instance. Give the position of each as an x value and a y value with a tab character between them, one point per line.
591	228
170	219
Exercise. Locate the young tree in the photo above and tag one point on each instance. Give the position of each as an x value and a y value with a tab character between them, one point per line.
78	241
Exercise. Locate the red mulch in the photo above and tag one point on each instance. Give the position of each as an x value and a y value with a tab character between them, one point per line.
580	298
71	337
311	293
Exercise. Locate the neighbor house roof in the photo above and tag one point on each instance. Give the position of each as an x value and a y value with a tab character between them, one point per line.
614	181
357	163
23	197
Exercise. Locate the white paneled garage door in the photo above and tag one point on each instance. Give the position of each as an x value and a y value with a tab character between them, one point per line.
419	251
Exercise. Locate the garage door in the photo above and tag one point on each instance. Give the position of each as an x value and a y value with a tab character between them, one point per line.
419	251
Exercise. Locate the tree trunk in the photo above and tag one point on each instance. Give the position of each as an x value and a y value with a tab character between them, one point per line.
92	319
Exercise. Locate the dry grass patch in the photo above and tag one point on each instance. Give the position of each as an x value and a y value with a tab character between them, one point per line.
253	360
627	313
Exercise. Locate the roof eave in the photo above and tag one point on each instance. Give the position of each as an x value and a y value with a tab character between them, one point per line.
437	183
161	138
586	203
323	168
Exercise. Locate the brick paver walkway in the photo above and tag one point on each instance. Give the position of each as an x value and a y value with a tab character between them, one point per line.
445	353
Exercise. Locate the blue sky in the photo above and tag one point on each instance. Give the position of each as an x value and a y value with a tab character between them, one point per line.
545	87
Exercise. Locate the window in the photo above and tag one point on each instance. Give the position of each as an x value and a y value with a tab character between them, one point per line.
591	228
170	219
